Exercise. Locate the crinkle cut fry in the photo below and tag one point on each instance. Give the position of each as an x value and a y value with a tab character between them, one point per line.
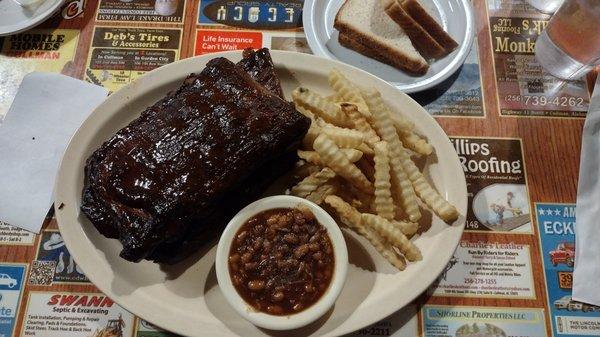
348	91
424	190
360	123
314	158
335	159
386	130
353	219
312	182
321	107
384	204
393	235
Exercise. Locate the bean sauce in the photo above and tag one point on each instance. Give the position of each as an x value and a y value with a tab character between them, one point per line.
281	260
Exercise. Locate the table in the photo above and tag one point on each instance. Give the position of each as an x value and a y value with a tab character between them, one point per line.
516	129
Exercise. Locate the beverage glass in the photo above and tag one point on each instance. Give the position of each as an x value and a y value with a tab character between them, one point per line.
569	47
546	6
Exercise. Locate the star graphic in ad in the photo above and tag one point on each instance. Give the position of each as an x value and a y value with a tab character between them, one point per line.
541	211
557	211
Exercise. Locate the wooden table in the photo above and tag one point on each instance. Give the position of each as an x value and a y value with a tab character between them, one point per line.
517	131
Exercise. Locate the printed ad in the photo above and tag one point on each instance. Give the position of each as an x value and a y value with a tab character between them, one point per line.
51	314
163	11
487	269
445	321
41	49
54	263
11	287
256	15
212	41
119	55
524	88
458	96
496	184
147	329
10	235
35	50
557	241
404	322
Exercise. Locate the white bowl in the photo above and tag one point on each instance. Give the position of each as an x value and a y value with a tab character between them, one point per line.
311	313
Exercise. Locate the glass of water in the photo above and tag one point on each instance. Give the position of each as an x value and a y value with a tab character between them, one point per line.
570	45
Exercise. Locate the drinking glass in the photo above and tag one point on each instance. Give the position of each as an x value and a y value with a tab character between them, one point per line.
546	6
569	47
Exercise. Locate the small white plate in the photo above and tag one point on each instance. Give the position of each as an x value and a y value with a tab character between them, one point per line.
15	18
456	16
185	298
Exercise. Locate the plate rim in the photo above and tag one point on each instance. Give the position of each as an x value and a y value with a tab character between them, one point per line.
122	95
31	23
309	23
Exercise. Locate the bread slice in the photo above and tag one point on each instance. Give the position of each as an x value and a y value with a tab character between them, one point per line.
366	22
358	47
425	44
420	15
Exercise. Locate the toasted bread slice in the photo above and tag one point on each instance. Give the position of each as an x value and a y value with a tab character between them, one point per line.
366	22
420	15
425	43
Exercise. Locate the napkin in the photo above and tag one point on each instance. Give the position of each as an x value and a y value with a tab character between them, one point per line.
587	229
45	113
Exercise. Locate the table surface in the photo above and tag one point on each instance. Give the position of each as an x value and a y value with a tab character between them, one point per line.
517	131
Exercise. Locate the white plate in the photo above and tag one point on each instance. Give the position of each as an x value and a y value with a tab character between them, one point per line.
15	19
185	298
456	16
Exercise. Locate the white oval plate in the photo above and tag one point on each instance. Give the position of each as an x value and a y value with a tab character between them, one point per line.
456	16
15	19
185	298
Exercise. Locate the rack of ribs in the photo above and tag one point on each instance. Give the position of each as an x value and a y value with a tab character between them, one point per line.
168	182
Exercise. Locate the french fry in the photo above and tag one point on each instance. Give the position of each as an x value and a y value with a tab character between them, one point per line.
393	235
310	157
335	159
384	204
407	228
348	91
344	138
319	195
320	107
360	123
312	134
424	190
366	149
344	210
432	198
334	98
312	182
353	219
365	200
413	142
367	168
387	132
314	158
400	122
387	251
304	170
305	111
